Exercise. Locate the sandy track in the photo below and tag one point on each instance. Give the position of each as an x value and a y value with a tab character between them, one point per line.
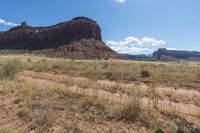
163	105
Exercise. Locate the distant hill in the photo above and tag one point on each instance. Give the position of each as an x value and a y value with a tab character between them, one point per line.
164	54
82	49
137	57
77	38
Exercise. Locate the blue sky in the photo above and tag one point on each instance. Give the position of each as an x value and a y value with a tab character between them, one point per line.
128	26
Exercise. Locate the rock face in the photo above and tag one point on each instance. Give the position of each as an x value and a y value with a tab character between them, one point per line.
79	38
163	53
34	38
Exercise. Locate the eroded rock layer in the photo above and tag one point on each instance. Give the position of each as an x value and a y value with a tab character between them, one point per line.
163	53
82	49
36	38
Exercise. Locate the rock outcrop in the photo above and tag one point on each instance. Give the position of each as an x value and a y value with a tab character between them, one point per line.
82	49
34	38
163	54
79	38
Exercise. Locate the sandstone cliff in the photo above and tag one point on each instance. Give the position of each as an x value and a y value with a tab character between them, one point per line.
79	38
27	37
163	53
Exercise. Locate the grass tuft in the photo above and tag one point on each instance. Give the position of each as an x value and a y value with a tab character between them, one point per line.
145	74
131	112
11	68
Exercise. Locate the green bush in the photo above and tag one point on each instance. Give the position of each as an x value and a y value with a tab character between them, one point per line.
11	68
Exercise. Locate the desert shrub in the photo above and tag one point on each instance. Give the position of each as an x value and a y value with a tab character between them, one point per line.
150	120
145	73
86	102
29	60
23	114
92	107
11	68
159	130
72	129
90	103
105	65
108	74
41	65
131	112
42	122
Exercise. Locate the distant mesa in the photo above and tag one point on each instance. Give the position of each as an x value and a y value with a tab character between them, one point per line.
163	54
39	38
28	37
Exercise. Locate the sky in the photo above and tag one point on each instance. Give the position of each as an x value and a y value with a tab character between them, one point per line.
128	26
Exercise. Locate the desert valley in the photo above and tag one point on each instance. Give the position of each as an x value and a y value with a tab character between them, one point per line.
65	79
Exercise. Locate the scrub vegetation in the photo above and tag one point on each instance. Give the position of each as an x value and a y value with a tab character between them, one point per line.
40	94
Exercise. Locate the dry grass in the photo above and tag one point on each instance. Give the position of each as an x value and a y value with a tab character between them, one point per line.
40	107
10	68
171	73
43	101
7	130
198	114
7	86
131	111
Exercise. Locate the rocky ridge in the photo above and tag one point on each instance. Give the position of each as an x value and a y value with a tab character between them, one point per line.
163	53
32	38
79	38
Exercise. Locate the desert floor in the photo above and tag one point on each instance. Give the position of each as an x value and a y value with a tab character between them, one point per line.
40	94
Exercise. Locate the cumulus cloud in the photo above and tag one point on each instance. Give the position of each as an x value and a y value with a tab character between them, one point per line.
4	22
134	45
120	1
133	41
172	49
131	50
152	41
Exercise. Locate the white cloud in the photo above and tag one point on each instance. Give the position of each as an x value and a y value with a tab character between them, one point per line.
120	1
133	41
172	49
4	22
152	41
131	50
133	45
